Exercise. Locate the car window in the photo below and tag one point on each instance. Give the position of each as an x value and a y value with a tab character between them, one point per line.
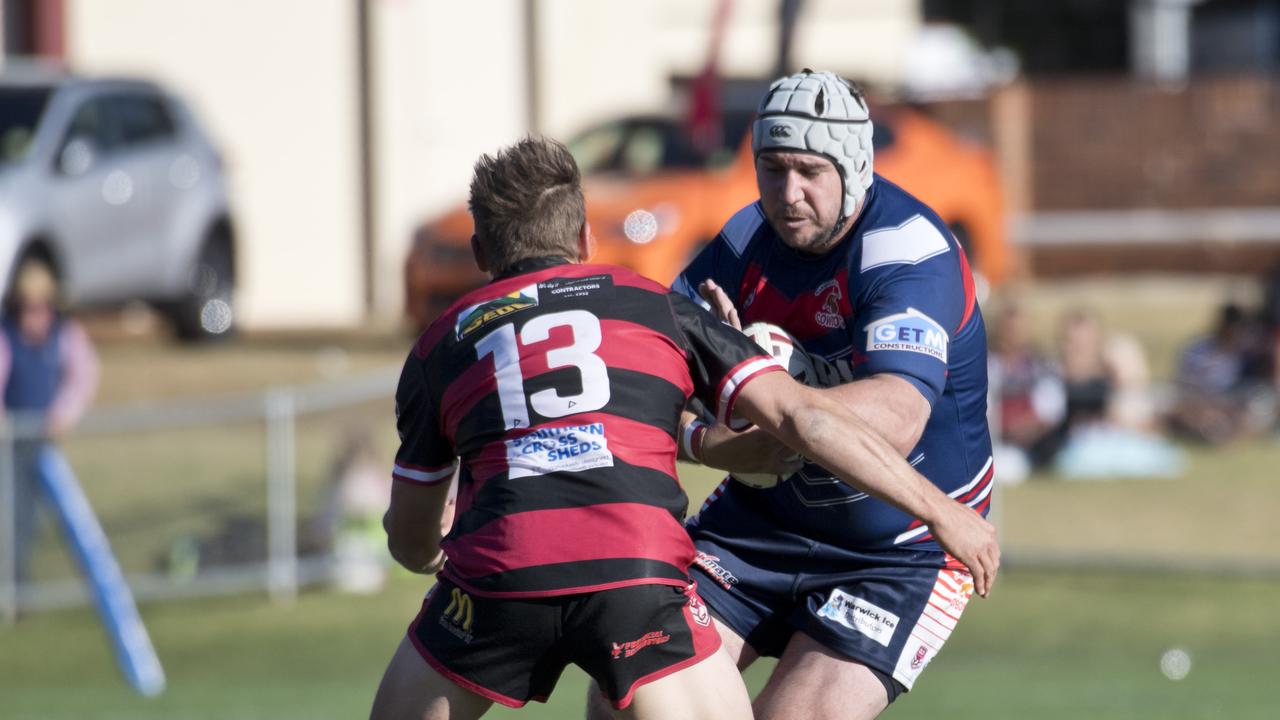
642	154
141	118
20	112
596	150
90	122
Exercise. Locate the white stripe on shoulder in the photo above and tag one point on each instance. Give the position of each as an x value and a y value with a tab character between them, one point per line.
910	243
422	476
742	227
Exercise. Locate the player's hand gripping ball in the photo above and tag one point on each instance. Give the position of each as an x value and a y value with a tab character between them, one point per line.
786	350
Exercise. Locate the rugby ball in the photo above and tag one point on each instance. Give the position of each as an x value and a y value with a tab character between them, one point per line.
786	350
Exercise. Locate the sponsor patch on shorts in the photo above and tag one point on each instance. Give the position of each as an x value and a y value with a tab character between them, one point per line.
911	331
711	563
857	614
571	448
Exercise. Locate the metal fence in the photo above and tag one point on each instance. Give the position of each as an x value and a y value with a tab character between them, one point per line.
205	497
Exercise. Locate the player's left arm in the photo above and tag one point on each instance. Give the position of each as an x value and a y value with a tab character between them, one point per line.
415	523
904	327
890	404
424	471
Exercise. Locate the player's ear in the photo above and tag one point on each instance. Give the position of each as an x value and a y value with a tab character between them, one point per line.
586	242
477	250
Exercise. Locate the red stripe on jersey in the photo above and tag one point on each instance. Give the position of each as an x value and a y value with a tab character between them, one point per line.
547	537
629	346
977	489
468	388
970	292
632	442
809	315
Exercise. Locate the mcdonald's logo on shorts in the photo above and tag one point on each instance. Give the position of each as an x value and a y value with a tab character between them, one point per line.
458	615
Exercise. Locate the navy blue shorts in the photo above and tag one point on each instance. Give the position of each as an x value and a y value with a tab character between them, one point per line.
891	610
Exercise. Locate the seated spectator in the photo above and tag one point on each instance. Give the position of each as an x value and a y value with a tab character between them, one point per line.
1028	402
1109	427
1226	388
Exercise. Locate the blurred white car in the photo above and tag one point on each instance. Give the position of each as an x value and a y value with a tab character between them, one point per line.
114	186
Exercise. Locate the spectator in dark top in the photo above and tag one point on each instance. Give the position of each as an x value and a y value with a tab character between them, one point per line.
1225	385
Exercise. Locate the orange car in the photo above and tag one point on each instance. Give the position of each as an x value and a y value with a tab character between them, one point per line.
653	200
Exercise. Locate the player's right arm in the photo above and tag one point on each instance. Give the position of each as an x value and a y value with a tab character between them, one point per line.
420	488
829	433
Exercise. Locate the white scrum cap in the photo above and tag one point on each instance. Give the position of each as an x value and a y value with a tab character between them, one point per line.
819	112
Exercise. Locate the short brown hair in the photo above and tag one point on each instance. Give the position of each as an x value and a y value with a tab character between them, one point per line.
526	201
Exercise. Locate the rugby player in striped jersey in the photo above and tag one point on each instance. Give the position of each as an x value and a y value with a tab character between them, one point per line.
555	393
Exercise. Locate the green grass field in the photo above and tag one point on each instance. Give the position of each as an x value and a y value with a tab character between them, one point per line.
1044	646
1047	645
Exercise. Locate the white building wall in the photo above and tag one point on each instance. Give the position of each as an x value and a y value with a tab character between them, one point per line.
449	85
274	81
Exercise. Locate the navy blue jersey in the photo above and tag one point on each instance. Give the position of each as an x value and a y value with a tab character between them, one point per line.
894	296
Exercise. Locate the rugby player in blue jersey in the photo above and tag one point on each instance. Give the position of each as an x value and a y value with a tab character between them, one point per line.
557	391
853	595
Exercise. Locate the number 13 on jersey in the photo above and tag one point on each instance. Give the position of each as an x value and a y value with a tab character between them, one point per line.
505	348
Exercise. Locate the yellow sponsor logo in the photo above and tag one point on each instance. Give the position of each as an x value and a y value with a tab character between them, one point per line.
460	610
477	316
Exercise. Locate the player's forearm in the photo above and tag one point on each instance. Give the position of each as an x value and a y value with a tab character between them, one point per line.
414	524
832	435
416	548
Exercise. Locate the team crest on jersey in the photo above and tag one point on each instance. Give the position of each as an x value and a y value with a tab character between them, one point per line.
911	331
828	316
481	314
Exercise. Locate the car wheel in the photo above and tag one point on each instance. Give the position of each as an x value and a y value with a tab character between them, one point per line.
206	313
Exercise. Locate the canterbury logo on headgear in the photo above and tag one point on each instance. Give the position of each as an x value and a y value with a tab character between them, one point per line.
823	113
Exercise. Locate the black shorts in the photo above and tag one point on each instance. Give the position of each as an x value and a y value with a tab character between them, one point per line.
512	651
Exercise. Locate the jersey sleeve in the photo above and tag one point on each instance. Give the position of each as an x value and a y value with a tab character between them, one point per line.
721	360
721	259
425	456
907	320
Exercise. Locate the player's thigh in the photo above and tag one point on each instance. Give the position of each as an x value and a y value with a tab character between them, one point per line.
732	644
412	690
812	682
709	690
732	647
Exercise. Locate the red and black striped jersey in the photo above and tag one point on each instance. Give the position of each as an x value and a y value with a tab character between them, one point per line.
560	388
